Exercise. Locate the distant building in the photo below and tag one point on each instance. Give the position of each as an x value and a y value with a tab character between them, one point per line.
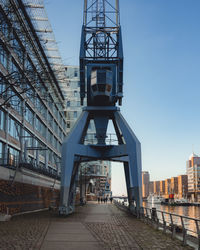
145	184
193	173
182	186
162	187
151	187
156	187
174	186
167	187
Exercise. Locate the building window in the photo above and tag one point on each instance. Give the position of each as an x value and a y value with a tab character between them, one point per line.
18	49
15	101
28	138
1	152
13	128
3	25
2	120
2	85
68	103
41	107
30	93
56	127
3	56
28	115
75	73
75	114
50	102
13	155
40	127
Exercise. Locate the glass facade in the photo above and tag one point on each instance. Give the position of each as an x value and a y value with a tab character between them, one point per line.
31	103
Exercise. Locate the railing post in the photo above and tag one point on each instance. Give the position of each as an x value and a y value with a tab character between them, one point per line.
184	232
147	215
198	233
164	223
157	220
172	226
142	213
153	214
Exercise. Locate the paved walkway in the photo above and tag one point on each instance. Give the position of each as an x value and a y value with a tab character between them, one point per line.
92	227
103	226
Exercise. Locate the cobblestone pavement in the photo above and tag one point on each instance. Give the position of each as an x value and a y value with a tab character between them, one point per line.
112	228
24	231
123	231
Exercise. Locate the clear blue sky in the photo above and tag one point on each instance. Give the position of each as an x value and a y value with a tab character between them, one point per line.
161	40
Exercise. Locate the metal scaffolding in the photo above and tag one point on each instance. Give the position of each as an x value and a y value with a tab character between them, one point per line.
37	13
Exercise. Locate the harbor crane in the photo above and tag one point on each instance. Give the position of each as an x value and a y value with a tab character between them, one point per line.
101	88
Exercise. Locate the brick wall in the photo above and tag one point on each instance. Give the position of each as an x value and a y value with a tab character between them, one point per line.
21	197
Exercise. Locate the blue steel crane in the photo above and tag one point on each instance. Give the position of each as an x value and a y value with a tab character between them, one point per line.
101	84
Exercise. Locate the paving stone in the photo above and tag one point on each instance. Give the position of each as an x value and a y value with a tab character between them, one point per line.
94	226
70	246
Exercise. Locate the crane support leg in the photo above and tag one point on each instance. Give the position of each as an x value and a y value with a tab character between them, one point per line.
127	151
134	165
70	165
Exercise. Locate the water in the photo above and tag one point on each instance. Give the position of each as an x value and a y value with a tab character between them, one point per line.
189	211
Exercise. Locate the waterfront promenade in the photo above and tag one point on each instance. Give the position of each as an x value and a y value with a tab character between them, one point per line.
94	226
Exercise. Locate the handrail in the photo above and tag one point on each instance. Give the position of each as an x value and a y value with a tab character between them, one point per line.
186	217
159	219
110	139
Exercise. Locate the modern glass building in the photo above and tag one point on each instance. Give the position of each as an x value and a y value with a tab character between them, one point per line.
98	172
193	174
32	119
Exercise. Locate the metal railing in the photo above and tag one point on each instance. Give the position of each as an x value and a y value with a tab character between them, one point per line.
183	227
12	161
180	225
110	139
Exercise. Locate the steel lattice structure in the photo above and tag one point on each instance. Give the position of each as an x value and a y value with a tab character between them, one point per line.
101	41
101	80
37	13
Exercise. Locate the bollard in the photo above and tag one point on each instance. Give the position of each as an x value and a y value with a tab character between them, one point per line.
153	214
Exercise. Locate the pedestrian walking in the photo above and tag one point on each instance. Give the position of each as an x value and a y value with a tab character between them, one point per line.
111	199
98	199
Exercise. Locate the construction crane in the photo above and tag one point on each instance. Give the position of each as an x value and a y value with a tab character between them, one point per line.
101	54
101	83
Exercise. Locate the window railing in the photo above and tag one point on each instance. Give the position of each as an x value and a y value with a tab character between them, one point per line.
13	162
